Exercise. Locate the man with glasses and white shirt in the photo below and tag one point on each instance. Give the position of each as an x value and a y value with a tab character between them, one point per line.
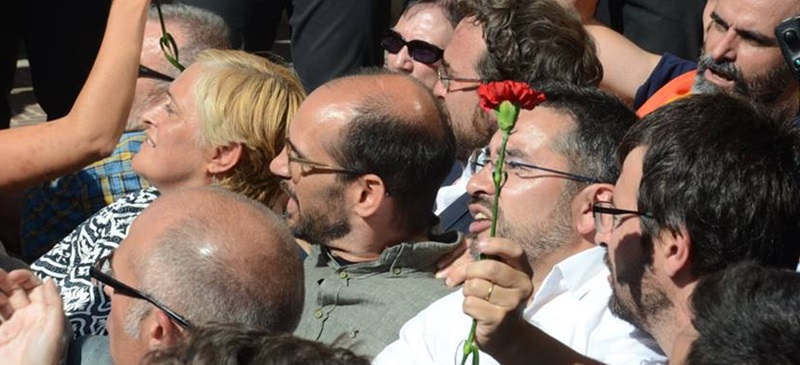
523	40
559	163
705	182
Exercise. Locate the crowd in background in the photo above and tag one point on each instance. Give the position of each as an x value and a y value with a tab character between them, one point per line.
196	199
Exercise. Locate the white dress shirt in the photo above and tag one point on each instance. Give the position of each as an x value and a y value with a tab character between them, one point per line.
571	305
448	194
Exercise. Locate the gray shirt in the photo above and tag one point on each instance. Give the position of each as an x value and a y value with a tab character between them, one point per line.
363	305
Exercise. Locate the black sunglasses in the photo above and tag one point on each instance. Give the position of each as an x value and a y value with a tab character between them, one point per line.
96	273
149	73
420	51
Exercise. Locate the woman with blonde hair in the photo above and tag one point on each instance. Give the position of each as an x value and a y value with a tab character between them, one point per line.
222	121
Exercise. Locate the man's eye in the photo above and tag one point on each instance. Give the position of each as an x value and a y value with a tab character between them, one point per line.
513	165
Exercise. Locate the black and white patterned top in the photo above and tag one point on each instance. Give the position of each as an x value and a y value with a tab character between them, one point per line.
68	262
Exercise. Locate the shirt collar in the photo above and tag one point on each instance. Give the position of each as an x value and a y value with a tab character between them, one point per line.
572	275
406	254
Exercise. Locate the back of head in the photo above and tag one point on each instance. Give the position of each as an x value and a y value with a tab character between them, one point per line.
601	120
400	133
248	345
224	257
747	314
450	8
726	173
249	100
534	41
200	29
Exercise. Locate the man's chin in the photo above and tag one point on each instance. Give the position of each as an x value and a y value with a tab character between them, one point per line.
703	86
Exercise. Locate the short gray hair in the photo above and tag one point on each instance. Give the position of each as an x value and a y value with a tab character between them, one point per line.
226	259
202	28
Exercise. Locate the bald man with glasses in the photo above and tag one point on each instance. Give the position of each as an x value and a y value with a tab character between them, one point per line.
192	257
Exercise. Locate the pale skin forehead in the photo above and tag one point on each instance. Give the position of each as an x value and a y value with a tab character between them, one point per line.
759	16
425	22
332	106
535	130
465	48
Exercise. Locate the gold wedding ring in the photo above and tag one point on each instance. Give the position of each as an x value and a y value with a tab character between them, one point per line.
489	293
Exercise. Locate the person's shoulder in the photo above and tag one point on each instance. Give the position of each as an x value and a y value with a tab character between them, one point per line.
668	68
89	350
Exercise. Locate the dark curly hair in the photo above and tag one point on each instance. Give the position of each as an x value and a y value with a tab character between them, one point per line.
534	41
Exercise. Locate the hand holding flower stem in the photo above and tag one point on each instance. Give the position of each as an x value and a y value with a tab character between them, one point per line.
505	98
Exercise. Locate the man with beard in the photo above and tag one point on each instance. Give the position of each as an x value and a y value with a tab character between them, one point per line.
558	164
706	182
740	56
523	40
363	160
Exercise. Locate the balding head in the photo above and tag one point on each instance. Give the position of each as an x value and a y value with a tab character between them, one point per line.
397	131
217	256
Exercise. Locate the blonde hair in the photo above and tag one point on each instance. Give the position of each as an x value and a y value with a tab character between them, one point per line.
243	98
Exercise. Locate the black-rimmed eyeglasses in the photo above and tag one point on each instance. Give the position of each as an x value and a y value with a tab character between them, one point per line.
526	170
420	51
310	166
607	217
149	73
101	273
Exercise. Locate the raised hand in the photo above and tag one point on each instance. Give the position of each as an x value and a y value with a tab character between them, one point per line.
496	292
32	329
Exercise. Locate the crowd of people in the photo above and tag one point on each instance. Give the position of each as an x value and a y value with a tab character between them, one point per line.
229	213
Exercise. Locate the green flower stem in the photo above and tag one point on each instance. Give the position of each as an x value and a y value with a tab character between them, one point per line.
167	42
506	118
497	176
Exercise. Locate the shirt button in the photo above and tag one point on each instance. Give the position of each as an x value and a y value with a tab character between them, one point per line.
396	271
318	313
343	275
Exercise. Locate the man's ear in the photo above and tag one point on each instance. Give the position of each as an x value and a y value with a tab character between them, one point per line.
676	249
225	158
368	192
162	331
582	204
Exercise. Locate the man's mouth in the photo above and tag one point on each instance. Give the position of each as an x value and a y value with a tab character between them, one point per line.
720	79
482	215
722	73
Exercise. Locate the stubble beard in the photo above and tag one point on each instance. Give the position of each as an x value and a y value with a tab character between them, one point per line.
542	238
320	226
636	298
474	134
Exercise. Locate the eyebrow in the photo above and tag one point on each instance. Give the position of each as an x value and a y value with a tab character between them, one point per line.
515	152
294	148
747	34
